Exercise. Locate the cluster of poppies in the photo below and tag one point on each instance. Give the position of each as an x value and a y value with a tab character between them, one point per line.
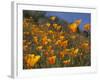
52	44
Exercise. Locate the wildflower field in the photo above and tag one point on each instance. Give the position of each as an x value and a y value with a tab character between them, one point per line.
53	42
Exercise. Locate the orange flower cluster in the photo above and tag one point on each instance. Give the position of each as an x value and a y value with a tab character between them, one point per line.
53	45
73	26
31	60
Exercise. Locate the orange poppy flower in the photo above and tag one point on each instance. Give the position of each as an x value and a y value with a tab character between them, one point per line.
49	48
85	45
39	48
78	22
87	27
61	54
52	60
44	40
49	40
73	27
58	42
31	60
62	37
67	61
64	43
35	39
74	52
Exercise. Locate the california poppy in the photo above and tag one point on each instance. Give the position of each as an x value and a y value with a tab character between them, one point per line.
73	27
52	59
31	60
67	61
86	27
35	39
